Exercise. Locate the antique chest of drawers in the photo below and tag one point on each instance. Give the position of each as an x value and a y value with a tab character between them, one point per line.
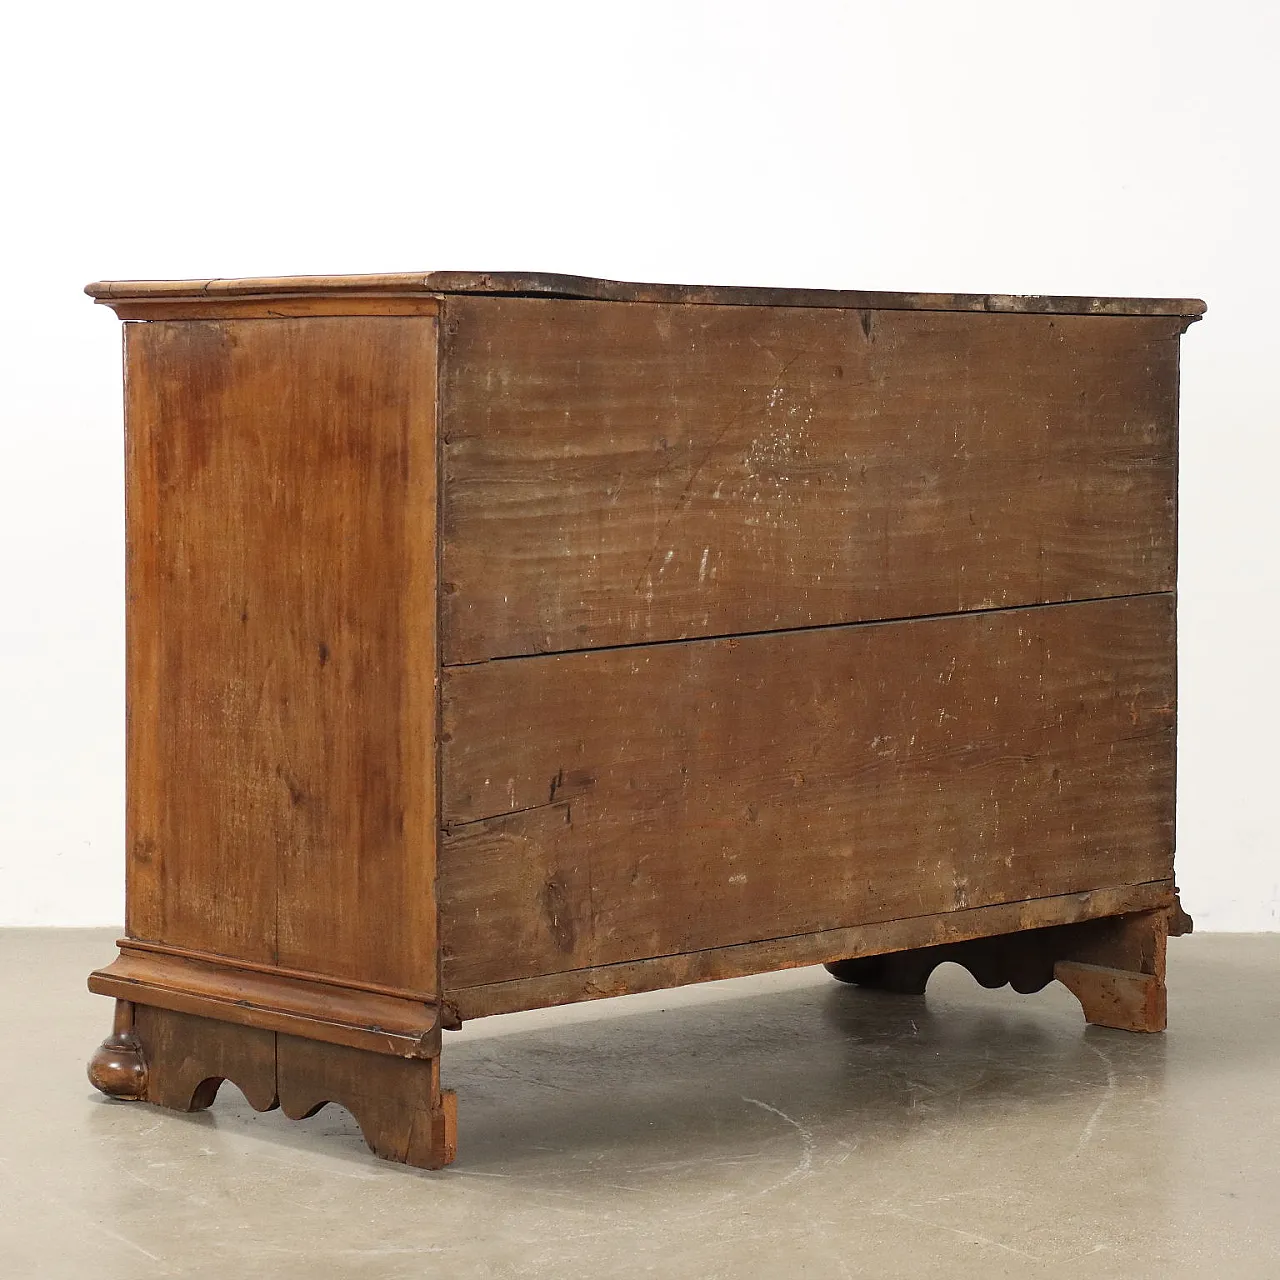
498	641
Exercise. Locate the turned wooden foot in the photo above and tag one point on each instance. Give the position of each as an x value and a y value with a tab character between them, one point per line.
118	1068
179	1061
1115	966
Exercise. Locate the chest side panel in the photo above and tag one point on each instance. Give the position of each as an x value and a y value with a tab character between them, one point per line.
281	642
622	473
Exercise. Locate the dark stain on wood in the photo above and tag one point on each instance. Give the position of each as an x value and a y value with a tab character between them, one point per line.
623	475
944	763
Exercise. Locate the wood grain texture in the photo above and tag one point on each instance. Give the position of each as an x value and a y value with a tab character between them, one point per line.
402	1112
543	284
1117	998
609	806
179	1061
273	306
869	940
371	1021
620	474
118	1067
188	1059
281	642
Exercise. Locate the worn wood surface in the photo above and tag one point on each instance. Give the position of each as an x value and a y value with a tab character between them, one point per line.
750	642
362	1019
188	1058
542	284
1117	998
180	1061
118	1067
402	1112
718	963
609	806
275	306
629	474
1026	960
1117	972
281	643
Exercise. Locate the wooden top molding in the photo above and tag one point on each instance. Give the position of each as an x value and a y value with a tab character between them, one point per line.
125	295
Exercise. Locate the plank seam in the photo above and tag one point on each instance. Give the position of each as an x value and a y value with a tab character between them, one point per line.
1164	883
819	626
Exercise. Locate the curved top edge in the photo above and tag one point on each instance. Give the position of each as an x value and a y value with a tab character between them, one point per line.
526	284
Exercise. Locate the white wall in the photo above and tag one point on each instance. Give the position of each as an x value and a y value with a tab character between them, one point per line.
1115	148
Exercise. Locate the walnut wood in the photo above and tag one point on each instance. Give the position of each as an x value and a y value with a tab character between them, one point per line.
403	1113
1135	943
179	1061
119	1068
325	1011
1126	992
831	945
274	306
803	559
281	652
800	782
624	475
138	946
1116	998
532	284
188	1058
1118	976
1026	960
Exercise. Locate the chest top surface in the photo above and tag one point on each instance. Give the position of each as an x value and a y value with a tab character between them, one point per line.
550	285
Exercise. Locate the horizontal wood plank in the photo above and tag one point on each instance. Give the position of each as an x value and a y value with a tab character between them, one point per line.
610	806
620	474
770	954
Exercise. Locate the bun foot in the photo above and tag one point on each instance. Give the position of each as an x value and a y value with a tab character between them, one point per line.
119	1067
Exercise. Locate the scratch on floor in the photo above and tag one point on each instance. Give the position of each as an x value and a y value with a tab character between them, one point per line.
70	1211
667	1166
133	1244
805	1163
1086	1134
356	1175
391	1250
971	1237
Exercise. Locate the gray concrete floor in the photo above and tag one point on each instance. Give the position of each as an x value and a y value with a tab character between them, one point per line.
780	1126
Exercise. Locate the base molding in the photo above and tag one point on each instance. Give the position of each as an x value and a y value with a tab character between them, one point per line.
359	1017
185	1024
179	1061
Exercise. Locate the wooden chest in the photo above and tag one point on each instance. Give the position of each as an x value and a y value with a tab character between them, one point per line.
500	641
